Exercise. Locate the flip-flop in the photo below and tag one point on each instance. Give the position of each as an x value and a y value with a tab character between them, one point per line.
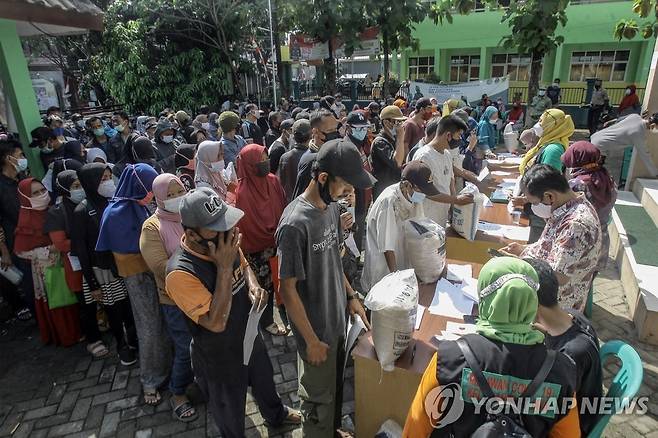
178	412
24	314
155	394
98	349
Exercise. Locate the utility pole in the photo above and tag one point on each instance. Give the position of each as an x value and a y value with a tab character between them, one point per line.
273	56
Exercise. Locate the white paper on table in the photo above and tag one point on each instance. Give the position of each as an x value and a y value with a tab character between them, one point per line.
505	155
251	332
490	161
501	194
514	232
486	201
513	160
500	173
354	330
460	329
490	228
445	336
75	262
450	301
484	173
459	272
511	180
507	185
351	245
420	311
469	288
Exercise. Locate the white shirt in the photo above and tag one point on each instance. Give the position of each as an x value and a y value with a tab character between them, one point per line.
441	165
385	232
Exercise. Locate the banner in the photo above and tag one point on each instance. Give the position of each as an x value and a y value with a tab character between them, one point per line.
368	45
306	48
495	88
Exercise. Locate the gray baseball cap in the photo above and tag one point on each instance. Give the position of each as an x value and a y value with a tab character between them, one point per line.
202	208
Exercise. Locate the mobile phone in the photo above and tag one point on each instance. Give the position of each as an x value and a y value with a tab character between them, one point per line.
495	253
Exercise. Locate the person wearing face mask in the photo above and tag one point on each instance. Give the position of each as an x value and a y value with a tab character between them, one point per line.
280	145
414	127
372	114
436	155
120	230
141	150
159	240
324	129
289	162
468	142
539	104
101	140
630	104
250	131
57	326
313	284
571	240
165	144
597	104
274	120
79	131
231	142
260	195
125	134
212	284
553	92
185	165
388	150
385	244
209	167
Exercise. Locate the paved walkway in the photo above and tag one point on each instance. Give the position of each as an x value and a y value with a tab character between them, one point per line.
48	392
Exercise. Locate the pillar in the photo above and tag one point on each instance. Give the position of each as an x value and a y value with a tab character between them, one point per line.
485	62
444	65
559	70
18	89
548	70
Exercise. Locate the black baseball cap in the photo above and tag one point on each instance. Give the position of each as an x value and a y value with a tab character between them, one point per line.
341	158
39	135
420	175
423	102
356	118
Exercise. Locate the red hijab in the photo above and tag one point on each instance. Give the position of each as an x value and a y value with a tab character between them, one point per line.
630	100
261	198
29	231
584	159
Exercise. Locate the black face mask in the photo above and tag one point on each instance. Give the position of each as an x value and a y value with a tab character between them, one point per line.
453	144
262	168
325	194
328	136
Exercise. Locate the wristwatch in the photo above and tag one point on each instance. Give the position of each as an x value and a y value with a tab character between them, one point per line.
351	297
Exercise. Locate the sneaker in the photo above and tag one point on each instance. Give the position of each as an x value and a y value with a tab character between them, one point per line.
127	356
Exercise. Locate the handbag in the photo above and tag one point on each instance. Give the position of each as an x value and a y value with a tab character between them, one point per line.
57	290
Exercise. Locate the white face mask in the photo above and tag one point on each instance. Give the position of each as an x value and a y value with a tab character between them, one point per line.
167	138
107	189
217	166
80	124
627	92
542	210
541	93
417	197
40	202
205	126
539	131
173	205
77	195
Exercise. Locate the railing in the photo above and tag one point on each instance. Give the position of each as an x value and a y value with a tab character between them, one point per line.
576	95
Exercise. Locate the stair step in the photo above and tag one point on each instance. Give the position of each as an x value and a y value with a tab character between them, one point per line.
638	280
646	191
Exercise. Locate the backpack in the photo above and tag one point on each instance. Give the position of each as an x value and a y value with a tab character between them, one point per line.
503	425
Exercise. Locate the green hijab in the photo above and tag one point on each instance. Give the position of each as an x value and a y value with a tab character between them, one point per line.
507	287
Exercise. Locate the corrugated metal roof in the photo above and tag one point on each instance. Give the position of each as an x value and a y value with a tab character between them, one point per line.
80	6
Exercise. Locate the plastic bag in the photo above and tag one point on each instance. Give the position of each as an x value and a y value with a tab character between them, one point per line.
390	429
425	241
465	217
393	301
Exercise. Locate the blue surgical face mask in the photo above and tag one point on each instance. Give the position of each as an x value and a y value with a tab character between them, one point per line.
359	133
58	131
417	197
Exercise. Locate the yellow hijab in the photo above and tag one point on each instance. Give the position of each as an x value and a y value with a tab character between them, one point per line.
449	106
557	127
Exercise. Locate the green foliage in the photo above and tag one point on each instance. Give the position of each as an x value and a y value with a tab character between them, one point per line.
628	29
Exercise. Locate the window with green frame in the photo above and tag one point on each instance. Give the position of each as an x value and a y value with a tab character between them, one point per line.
512	64
607	65
420	67
464	68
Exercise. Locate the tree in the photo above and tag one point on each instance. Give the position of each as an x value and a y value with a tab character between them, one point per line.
629	28
532	23
396	20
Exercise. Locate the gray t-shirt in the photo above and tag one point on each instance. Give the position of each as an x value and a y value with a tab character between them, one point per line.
629	131
308	241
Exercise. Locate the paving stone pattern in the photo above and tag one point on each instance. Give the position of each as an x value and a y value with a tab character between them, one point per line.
53	392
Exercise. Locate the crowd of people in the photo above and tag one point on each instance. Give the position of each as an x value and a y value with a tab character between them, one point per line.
216	229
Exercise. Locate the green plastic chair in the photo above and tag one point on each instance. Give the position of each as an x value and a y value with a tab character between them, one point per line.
625	384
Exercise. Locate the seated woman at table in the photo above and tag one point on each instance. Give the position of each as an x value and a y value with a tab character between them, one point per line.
507	348
571	241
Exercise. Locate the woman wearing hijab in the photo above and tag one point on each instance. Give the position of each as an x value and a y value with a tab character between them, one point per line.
590	177
58	167
120	229
160	238
58	326
58	226
100	283
97	155
138	150
209	167
487	140
449	106
213	126
73	150
630	104
553	129
508	348
186	164
261	196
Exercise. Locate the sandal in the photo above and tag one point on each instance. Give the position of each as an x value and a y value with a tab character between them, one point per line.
293	418
152	398
276	330
98	349
24	314
184	412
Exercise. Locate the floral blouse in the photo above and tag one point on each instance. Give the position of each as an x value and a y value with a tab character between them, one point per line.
571	243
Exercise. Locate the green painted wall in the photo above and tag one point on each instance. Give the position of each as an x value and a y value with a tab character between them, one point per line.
590	27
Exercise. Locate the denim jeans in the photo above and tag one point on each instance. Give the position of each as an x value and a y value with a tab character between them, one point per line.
181	370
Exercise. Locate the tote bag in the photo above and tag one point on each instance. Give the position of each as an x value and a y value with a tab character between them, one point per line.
57	290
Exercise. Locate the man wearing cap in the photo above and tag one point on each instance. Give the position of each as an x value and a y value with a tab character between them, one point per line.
233	143
211	282
436	154
289	162
280	145
250	129
372	114
414	127
313	284
79	129
388	152
385	245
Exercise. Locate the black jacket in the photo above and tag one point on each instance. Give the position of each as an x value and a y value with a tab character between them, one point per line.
9	208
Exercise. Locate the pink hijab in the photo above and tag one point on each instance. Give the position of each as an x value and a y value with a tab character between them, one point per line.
171	229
